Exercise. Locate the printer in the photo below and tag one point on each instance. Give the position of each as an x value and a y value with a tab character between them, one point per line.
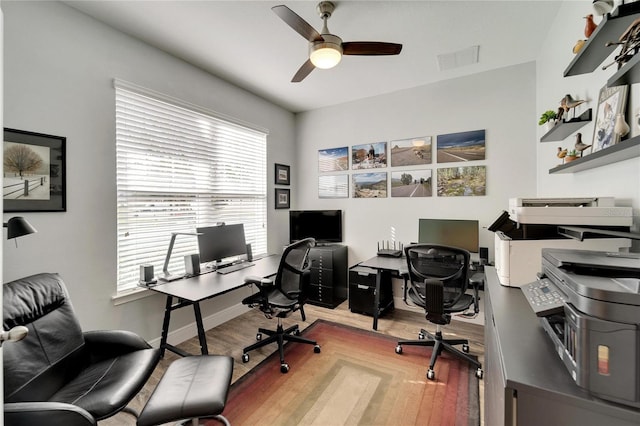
590	309
531	224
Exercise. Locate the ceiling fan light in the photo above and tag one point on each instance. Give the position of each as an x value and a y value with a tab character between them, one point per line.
325	55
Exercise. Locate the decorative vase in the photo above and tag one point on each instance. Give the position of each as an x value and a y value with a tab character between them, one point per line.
546	127
570	158
621	127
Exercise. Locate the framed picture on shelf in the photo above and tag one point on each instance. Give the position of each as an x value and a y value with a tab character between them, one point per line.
611	102
34	172
283	174
282	198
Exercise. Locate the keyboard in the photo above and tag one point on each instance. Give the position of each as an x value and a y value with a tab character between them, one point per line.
544	297
233	268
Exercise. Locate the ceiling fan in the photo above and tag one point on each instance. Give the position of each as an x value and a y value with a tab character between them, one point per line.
326	49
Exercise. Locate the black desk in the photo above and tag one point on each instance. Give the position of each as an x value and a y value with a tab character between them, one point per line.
191	291
396	265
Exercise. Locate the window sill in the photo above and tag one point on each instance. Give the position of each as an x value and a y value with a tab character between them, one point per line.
131	295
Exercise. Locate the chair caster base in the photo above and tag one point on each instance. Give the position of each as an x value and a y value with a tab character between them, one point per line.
431	375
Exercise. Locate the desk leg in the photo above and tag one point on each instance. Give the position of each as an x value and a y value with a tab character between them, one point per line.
376	299
201	333
165	325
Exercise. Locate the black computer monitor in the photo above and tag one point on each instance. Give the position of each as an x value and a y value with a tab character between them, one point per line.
450	232
220	242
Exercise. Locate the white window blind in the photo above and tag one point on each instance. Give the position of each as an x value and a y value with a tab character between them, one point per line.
180	167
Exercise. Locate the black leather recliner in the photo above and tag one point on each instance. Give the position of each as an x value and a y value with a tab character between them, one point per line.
58	374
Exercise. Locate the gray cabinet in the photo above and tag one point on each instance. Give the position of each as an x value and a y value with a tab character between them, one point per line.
526	383
328	275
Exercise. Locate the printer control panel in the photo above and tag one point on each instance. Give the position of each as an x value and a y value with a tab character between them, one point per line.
544	297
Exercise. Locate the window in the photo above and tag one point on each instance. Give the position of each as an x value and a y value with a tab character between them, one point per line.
180	167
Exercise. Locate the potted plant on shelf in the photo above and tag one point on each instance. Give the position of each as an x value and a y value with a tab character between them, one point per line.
571	156
548	120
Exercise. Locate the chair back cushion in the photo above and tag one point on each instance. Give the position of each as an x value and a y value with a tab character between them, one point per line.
294	268
37	366
431	263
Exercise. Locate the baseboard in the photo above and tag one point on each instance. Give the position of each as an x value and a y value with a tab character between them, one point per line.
188	331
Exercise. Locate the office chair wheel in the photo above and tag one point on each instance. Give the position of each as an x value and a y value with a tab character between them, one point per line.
316	349
296	332
284	368
479	373
399	349
421	336
245	357
465	348
259	336
431	375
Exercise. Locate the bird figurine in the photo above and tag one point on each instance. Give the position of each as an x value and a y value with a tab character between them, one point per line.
562	153
580	146
590	26
578	46
561	113
568	103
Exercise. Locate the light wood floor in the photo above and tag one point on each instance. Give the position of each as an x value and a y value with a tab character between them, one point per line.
231	337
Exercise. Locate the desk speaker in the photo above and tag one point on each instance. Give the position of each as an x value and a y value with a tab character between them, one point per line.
192	264
146	273
249	253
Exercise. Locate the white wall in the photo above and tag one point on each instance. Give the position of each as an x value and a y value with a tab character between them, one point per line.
501	102
59	67
621	180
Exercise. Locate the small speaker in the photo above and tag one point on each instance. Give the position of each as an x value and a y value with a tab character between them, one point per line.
249	253
484	255
146	273
192	264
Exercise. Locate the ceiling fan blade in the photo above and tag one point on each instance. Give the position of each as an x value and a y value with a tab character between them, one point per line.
301	26
370	48
304	71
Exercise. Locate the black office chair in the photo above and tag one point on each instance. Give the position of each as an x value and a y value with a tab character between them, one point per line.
59	375
438	281
282	297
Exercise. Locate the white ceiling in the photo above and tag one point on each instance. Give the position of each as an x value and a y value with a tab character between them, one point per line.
247	44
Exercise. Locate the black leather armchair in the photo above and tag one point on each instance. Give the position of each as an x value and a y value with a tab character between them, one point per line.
58	374
282	296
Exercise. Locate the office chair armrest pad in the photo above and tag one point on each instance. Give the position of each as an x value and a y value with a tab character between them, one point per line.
46	413
259	281
104	344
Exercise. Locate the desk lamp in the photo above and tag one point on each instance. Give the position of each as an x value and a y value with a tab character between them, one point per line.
17	227
165	269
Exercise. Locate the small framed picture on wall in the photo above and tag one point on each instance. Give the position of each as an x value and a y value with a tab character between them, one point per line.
283	174
282	198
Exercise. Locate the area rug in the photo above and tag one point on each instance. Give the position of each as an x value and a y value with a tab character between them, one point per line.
357	379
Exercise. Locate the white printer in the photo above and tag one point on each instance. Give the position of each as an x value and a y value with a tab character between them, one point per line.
531	225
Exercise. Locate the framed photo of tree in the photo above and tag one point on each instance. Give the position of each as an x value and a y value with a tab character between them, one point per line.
34	172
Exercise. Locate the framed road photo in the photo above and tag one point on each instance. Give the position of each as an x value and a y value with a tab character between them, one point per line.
283	174
611	101
282	198
461	146
34	172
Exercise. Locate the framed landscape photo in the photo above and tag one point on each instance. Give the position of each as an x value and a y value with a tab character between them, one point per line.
283	174
282	198
34	172
611	101
411	152
333	159
369	156
333	186
461	146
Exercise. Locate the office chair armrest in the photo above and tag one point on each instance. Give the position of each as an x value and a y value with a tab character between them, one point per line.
476	281
105	344
259	281
46	413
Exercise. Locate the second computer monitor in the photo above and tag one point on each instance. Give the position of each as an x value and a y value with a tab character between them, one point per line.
449	232
221	242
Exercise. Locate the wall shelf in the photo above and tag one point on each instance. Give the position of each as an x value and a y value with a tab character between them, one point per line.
595	51
621	151
628	74
560	131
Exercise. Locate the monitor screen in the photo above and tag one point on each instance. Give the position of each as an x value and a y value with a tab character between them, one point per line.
323	225
220	242
449	232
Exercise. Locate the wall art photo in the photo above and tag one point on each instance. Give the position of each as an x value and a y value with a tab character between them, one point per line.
411	152
333	159
283	198
370	185
411	183
462	146
34	172
611	101
333	186
282	174
464	181
369	156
